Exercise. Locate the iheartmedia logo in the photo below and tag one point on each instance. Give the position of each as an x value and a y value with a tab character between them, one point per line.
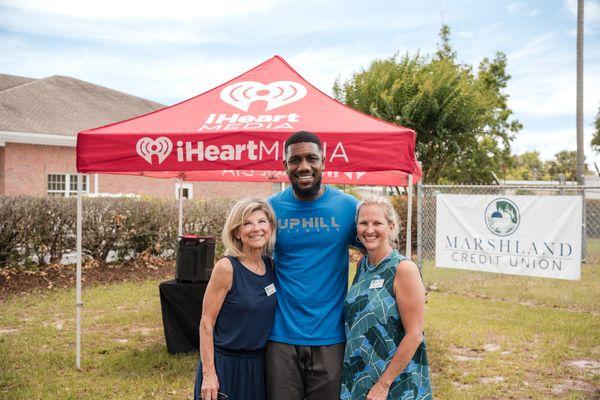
191	151
160	147
276	94
241	95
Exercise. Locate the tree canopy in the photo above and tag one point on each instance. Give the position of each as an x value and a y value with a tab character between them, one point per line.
596	134
463	123
529	166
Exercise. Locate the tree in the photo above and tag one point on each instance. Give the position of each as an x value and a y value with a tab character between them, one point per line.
462	119
527	166
596	134
565	162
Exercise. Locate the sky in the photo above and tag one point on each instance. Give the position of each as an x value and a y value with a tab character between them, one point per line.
169	51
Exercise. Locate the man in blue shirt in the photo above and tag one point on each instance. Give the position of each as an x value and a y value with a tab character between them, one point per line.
316	224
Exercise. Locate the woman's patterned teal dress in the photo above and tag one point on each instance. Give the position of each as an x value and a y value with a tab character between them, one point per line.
373	332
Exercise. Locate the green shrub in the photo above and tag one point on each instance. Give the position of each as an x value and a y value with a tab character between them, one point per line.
400	204
37	230
12	229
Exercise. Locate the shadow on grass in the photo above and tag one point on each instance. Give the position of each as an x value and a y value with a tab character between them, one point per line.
143	362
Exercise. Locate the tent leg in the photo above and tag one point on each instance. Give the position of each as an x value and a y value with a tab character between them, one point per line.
79	303
409	217
180	222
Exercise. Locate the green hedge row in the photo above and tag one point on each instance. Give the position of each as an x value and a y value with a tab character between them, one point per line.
39	230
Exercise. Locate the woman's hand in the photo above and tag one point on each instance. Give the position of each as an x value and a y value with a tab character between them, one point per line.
210	386
379	391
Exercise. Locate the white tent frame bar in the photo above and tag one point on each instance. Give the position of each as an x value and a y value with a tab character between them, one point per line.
79	303
180	215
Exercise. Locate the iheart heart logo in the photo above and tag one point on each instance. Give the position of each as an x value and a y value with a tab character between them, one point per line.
277	94
160	147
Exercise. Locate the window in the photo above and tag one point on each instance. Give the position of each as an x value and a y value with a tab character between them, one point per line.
65	184
56	184
187	191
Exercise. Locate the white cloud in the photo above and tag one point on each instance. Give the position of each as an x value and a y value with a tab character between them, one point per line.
551	141
547	142
543	80
553	95
465	34
540	45
591	14
519	8
514	8
118	9
112	30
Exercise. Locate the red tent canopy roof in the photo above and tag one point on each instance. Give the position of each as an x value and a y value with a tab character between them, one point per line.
241	125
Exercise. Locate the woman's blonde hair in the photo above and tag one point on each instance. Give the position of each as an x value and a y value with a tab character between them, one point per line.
238	214
388	211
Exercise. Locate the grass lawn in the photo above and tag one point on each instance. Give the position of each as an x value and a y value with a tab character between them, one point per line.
489	337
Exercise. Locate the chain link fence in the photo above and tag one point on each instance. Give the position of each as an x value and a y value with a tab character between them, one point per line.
426	212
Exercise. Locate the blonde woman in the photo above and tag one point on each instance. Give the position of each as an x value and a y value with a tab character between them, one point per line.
239	307
384	310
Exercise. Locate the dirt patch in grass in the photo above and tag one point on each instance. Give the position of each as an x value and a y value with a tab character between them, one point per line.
571	385
591	366
463	354
18	282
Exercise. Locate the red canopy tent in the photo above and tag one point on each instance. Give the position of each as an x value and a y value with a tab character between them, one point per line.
241	125
236	132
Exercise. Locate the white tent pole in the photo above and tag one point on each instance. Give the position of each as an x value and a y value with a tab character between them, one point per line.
409	216
180	224
79	303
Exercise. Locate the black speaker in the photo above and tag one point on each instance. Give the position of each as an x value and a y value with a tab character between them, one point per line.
195	258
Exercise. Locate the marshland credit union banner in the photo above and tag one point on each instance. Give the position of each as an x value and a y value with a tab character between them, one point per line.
520	235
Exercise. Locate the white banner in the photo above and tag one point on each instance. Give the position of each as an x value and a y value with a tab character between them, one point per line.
520	235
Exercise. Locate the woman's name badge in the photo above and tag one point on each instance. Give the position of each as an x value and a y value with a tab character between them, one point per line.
270	289
376	284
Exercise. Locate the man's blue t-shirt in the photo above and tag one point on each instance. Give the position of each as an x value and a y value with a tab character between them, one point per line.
311	254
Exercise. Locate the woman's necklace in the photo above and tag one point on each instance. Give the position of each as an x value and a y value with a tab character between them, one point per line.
372	267
254	265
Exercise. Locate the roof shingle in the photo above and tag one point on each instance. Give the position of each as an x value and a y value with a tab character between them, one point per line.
63	105
8	81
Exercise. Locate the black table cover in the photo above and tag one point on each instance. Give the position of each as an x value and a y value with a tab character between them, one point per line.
181	304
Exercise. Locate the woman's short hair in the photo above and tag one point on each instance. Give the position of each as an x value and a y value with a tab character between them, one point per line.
388	211
238	214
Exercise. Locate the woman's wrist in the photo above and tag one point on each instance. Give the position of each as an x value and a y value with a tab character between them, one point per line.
385	381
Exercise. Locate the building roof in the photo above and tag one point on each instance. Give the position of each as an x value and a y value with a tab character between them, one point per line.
62	105
8	81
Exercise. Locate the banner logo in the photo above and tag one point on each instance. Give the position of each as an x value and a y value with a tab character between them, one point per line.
160	147
277	94
502	217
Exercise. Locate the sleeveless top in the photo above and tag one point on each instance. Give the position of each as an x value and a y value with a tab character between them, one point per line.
373	331
246	317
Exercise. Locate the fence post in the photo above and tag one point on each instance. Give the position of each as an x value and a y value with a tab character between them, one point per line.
583	226
420	225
